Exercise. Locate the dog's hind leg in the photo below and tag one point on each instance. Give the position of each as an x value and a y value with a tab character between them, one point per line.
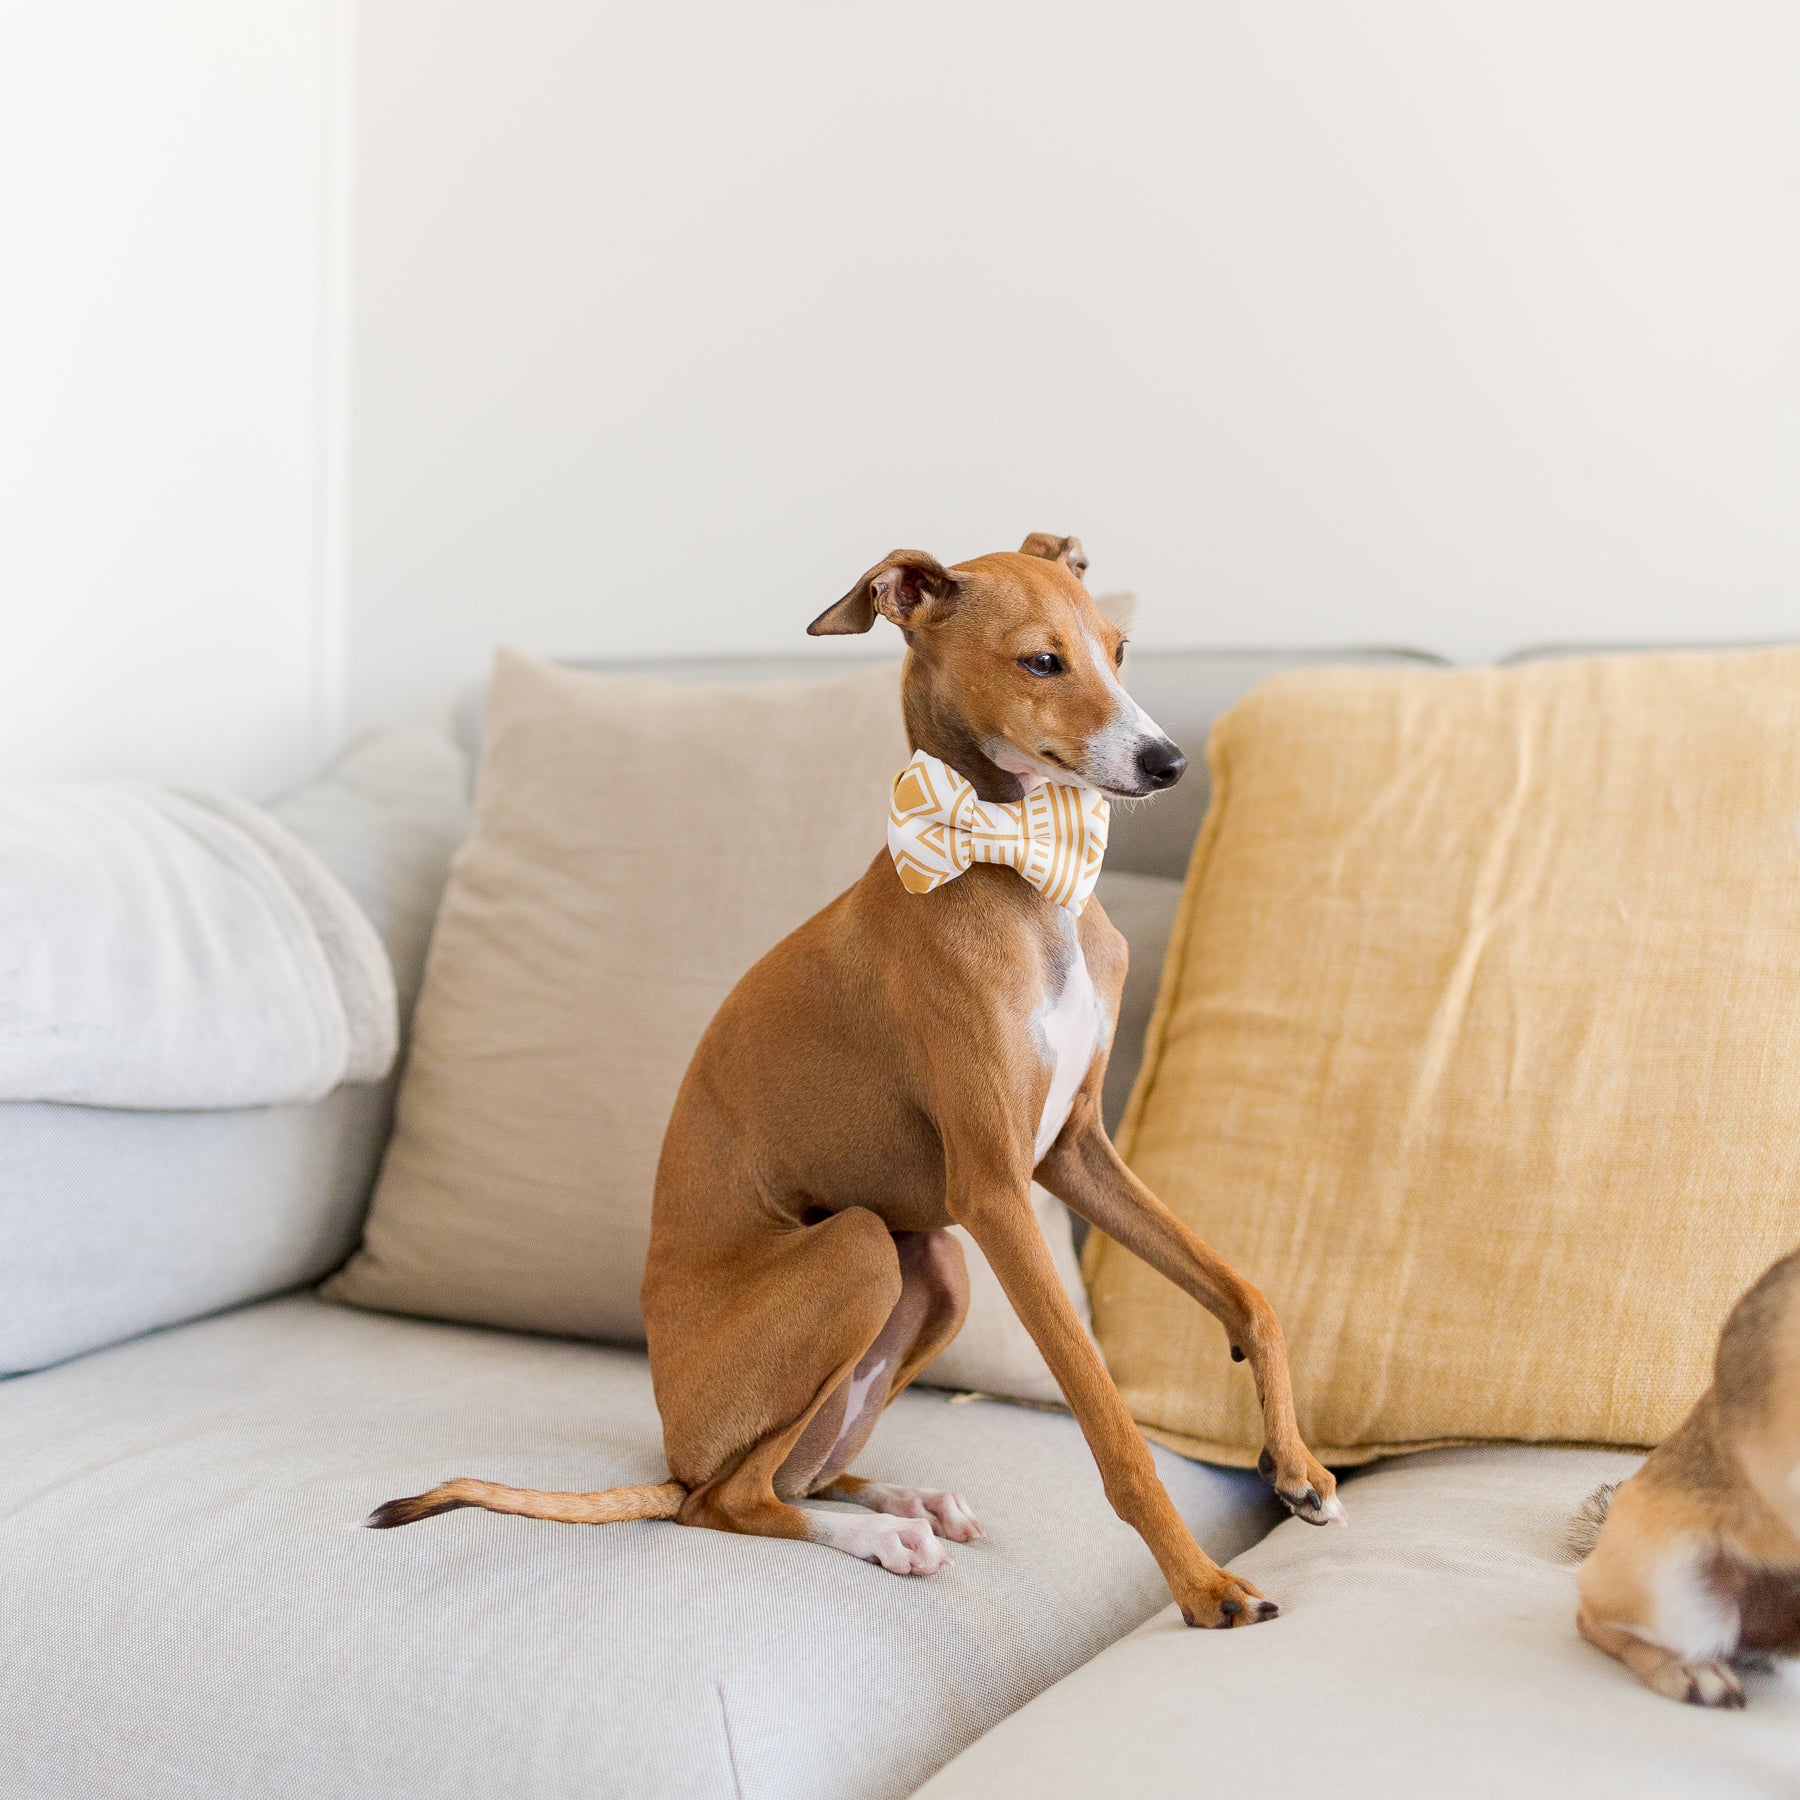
779	1374
934	1299
1650	1594
1708	1681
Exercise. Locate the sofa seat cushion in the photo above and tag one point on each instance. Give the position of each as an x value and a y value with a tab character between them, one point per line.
1428	1650
193	1610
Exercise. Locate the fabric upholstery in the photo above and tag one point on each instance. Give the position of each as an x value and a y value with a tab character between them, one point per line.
193	1612
1429	1649
1182	690
115	1221
178	949
639	844
1478	1050
1142	908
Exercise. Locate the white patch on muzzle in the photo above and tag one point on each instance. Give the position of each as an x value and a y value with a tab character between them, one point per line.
1112	752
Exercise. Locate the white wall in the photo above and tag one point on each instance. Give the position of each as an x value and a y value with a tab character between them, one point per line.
1453	324
166	591
1449	324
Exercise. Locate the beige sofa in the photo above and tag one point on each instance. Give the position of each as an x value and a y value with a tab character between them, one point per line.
191	1608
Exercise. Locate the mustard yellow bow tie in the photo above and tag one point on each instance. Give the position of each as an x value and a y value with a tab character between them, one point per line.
937	826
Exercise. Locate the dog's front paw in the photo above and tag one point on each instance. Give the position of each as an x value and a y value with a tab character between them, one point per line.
1226	1602
1305	1487
1699	1683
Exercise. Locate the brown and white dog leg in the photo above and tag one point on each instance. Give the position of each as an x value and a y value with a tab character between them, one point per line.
1083	1169
1650	1597
1706	1681
998	1214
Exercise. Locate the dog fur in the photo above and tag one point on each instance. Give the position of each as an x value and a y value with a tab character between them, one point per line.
887	1070
1693	1565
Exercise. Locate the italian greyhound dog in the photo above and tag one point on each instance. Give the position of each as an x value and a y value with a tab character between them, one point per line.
902	1061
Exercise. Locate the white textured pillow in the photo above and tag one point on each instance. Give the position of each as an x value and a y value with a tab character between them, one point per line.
114	1222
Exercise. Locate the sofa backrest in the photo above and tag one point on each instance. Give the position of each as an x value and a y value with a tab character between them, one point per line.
1182	690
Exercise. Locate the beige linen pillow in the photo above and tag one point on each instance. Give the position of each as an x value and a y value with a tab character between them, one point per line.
639	844
1478	1050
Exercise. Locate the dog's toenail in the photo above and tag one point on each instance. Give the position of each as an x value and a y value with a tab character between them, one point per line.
1236	1354
1310	1498
1230	1608
1267	1609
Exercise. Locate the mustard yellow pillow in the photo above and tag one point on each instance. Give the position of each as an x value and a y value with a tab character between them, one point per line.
1478	1050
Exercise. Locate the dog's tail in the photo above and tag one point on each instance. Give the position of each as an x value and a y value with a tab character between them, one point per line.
609	1506
1583	1531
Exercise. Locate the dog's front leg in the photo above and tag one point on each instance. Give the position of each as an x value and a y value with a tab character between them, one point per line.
1085	1171
994	1204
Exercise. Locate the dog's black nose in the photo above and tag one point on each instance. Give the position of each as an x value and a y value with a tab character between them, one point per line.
1161	763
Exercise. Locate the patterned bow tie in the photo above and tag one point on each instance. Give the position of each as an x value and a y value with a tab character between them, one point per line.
937	826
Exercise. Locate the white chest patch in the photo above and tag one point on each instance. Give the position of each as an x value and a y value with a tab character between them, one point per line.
1067	1028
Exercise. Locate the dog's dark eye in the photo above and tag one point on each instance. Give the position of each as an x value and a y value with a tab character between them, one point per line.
1046	662
1119	655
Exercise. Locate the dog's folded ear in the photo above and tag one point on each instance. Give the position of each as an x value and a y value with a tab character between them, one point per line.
908	586
1065	550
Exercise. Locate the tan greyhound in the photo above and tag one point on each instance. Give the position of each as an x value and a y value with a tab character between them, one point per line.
902	1061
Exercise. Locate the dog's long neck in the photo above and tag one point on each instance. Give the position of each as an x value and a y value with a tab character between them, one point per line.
934	725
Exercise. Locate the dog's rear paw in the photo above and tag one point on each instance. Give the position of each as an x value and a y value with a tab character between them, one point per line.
1228	1602
906	1547
1699	1683
953	1517
949	1515
901	1546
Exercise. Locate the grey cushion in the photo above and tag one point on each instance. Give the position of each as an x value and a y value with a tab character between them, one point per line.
1429	1650
112	1222
192	1610
1143	908
1559	652
1183	690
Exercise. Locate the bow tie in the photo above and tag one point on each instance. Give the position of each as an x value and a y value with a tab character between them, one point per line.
938	825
